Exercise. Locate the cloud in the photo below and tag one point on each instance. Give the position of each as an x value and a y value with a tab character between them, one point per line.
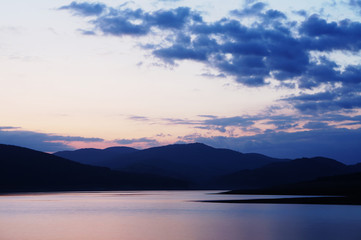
139	118
148	141
355	4
243	122
8	128
297	144
271	46
40	141
261	123
132	22
85	9
254	9
210	122
283	122
316	125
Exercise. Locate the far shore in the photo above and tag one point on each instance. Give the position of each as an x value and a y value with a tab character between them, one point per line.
298	200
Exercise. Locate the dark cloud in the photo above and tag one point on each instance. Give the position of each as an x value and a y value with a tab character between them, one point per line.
320	35
356	4
86	32
40	141
231	121
272	46
173	19
340	99
295	145
302	13
316	125
132	22
179	121
120	23
257	9
254	9
8	128
283	122
138	118
279	122
179	52
85	9
210	122
245	123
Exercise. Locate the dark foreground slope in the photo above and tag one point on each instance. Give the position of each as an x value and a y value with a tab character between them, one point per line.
298	170
23	169
339	185
336	190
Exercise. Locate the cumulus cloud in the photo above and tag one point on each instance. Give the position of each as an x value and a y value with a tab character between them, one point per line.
273	47
85	9
39	141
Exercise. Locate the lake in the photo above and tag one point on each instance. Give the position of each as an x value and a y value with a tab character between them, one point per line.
169	215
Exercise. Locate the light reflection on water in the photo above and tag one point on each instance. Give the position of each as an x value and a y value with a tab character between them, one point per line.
169	215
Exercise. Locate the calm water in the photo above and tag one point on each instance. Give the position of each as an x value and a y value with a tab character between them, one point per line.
169	215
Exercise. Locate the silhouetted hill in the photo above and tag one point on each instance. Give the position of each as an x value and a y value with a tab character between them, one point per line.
23	169
294	171
96	157
194	162
354	168
345	185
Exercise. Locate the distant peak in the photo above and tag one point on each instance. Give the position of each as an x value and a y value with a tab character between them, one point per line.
118	147
198	144
195	144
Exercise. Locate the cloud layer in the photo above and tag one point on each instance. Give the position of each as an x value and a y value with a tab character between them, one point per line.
273	47
40	141
256	46
318	142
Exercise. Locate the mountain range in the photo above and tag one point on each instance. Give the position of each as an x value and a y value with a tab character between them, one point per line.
281	173
196	162
177	166
23	169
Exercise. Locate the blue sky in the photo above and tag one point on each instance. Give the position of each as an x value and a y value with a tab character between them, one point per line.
255	76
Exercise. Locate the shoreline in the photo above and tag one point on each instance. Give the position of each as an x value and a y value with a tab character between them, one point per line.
298	200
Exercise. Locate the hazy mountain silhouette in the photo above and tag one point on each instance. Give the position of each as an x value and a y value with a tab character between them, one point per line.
194	162
298	170
23	169
177	166
96	157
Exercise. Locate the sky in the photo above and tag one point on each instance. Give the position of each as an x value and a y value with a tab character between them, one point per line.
272	77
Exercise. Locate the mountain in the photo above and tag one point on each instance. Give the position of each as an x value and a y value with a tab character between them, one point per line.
344	185
96	157
23	169
274	174
194	162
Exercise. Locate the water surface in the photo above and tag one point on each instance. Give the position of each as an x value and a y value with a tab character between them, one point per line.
169	215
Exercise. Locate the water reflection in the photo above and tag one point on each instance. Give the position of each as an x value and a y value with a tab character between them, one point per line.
169	215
